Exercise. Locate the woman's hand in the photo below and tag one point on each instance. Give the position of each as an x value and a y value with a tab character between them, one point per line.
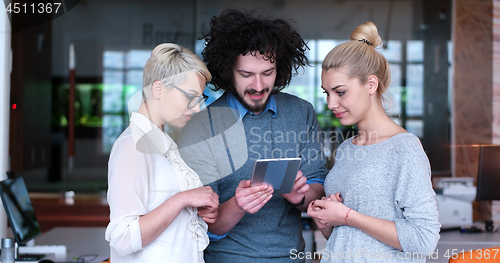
200	197
206	200
208	214
328	212
311	208
155	222
332	197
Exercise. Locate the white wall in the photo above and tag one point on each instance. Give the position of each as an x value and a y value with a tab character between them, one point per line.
5	67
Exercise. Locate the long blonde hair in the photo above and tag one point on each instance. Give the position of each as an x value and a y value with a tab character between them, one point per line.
360	58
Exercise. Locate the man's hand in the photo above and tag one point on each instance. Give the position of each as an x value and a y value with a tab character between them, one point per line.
299	190
252	198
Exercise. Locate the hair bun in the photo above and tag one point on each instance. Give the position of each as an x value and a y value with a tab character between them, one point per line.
368	34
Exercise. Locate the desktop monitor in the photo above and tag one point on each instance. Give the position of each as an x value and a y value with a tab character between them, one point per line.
488	177
19	210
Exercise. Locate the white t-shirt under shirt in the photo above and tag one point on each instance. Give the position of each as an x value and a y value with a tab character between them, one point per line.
140	178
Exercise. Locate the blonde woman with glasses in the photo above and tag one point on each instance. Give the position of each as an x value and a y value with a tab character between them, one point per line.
159	209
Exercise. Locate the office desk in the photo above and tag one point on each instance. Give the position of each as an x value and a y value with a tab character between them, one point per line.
78	241
456	242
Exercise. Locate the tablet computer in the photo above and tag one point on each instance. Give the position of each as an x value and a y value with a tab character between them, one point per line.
280	173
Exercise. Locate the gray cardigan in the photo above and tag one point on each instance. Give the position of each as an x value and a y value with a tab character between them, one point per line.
388	180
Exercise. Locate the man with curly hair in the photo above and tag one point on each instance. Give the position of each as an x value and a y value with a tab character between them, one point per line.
253	58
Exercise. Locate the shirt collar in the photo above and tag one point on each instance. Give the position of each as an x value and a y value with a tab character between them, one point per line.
148	137
234	103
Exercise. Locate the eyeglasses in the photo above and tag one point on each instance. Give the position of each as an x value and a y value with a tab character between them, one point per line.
193	100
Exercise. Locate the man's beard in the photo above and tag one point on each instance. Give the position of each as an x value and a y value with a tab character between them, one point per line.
253	108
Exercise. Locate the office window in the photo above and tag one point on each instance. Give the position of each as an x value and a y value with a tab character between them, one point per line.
122	78
414	87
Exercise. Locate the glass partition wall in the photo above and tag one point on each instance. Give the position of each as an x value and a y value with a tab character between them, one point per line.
113	40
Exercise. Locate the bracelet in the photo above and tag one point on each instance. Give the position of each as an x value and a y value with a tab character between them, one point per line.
302	202
347	216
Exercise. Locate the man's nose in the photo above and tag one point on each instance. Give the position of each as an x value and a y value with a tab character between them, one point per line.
258	84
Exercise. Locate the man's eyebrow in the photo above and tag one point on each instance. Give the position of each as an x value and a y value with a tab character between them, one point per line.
250	72
244	71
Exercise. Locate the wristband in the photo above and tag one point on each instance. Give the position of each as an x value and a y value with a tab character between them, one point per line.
347	216
302	202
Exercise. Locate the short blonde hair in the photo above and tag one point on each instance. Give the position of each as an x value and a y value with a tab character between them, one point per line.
169	63
360	58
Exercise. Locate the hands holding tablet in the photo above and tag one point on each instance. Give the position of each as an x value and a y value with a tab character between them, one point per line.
251	198
299	189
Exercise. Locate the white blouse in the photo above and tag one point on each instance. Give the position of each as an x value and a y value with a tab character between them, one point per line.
144	170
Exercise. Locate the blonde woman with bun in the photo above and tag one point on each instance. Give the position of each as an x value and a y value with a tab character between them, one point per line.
379	204
159	209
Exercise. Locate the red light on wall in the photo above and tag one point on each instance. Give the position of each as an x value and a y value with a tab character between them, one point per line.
14	106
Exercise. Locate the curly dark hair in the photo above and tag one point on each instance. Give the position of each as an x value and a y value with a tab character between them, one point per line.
234	32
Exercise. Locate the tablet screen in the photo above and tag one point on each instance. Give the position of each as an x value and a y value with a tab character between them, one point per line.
280	173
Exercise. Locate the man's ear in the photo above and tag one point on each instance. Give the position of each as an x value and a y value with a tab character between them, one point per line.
157	89
372	84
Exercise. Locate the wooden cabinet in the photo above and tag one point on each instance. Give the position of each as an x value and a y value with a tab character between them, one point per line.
55	210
